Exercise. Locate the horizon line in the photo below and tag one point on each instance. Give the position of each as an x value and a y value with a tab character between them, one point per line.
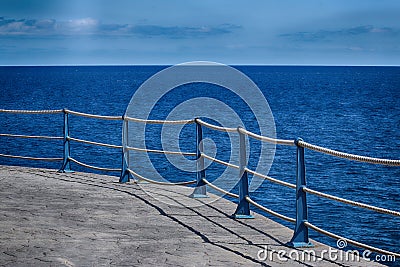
160	64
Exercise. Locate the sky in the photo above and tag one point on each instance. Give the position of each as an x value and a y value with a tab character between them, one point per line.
262	32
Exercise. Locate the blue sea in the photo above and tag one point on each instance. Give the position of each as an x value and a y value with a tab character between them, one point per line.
350	109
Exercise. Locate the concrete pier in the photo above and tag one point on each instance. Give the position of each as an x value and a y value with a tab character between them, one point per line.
82	219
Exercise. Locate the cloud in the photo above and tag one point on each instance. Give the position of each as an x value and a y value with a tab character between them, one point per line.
46	26
81	24
323	35
12	26
177	32
89	26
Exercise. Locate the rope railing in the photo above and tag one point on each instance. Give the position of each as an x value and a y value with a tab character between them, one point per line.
215	127
160	151
350	202
349	156
93	116
266	177
141	177
265	138
94	167
219	161
32	136
300	236
220	189
30	158
93	143
274	213
350	241
22	111
208	125
159	121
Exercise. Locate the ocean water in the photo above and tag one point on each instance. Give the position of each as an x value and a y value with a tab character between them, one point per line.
351	109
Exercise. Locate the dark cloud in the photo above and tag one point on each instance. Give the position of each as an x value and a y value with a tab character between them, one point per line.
112	28
24	26
91	26
323	35
182	32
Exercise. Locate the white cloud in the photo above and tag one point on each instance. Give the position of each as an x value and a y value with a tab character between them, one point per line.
81	24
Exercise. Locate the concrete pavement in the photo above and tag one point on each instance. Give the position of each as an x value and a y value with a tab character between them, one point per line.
82	219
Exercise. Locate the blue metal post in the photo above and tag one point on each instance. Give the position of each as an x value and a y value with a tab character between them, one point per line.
243	208
66	165
300	236
201	189
125	174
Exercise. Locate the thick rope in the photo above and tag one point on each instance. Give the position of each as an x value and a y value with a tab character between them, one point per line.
339	154
32	136
214	127
30	158
271	179
21	111
220	189
157	182
94	167
158	121
274	213
93	143
266	139
354	203
87	115
220	161
160	151
350	241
